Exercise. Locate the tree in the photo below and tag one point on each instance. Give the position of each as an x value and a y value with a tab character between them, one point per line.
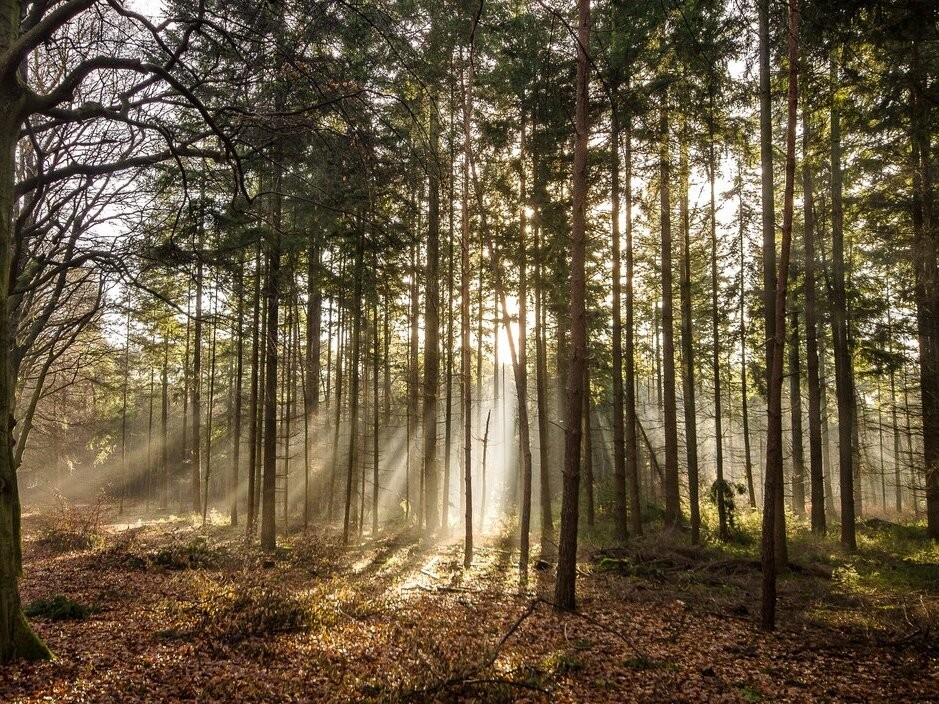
564	594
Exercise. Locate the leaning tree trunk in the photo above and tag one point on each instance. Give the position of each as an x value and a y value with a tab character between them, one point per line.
564	593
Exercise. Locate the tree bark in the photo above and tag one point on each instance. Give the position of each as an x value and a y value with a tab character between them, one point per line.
687	348
844	373
620	523
813	377
431	329
774	451
564	593
669	403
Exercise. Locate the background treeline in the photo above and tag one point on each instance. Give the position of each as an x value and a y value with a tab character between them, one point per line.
295	312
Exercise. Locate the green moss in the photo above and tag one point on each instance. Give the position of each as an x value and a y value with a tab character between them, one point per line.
26	644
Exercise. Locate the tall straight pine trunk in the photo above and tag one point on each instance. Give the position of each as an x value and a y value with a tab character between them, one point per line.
564	593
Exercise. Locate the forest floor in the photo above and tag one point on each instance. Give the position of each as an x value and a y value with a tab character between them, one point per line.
165	611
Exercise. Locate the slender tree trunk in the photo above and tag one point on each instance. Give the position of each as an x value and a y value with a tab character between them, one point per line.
926	275
253	400
466	351
744	390
124	385
814	382
448	420
620	524
715	328
195	457
669	403
630	419
587	444
414	384
272	301
311	389
164	427
432	331
209	411
774	451
844	374
376	367
238	333
687	348
564	593
541	382
518	357
349	520
795	402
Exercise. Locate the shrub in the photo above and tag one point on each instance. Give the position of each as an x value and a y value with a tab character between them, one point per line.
194	554
58	608
245	608
69	526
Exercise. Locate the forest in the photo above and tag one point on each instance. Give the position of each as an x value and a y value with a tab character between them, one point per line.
469	351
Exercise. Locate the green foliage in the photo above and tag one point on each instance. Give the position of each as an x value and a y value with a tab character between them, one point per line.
722	493
561	662
58	608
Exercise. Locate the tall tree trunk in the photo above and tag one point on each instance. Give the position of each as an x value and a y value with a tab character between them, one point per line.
255	393
518	358
630	418
587	443
431	329
541	382
17	639
448	418
620	523
311	390
349	520
238	333
774	451
126	372
564	593
795	411
164	426
195	458
414	383
272	303
466	351
669	403
744	391
715	326
813	379
687	346
376	368
844	373
211	407
769	249
926	275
